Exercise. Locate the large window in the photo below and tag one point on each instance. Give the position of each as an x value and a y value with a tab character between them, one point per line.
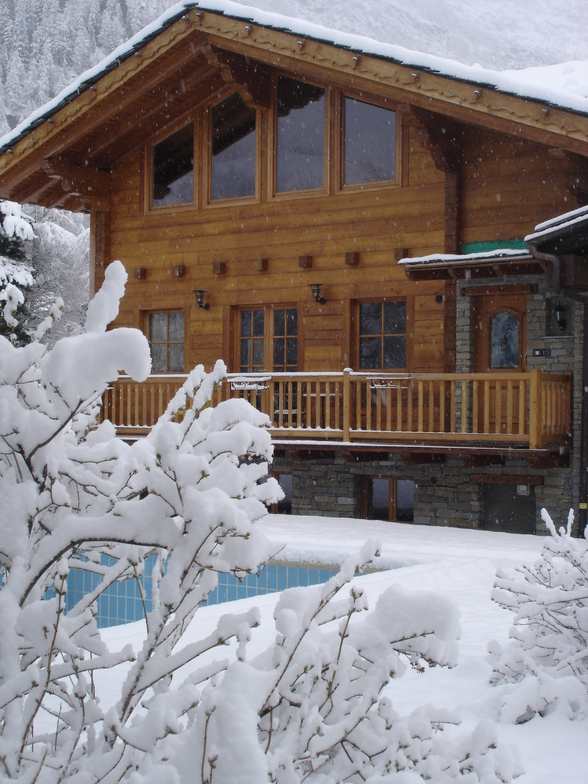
387	498
369	141
233	149
382	335
300	143
173	169
166	341
268	340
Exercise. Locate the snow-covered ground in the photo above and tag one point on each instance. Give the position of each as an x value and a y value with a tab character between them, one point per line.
460	564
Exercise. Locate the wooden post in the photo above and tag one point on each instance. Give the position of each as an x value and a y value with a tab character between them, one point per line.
535	409
346	402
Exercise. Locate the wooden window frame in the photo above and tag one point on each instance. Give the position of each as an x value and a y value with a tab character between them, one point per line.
409	300
144	321
313	193
268	336
182	122
339	161
392	495
207	201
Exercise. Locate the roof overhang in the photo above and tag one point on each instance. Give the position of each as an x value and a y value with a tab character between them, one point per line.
491	264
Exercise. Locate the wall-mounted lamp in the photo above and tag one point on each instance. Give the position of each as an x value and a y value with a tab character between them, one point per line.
200	299
316	293
560	316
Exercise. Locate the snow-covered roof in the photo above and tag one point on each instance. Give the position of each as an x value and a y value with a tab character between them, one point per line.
564	86
465	259
561	224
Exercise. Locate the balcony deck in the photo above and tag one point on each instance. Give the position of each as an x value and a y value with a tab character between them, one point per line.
528	411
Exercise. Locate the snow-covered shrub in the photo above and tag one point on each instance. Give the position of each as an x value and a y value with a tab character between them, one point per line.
310	708
15	272
547	658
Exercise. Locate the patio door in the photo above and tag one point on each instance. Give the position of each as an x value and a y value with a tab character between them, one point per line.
500	345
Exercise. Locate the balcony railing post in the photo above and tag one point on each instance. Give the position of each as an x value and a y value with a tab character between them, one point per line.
535	410
346	402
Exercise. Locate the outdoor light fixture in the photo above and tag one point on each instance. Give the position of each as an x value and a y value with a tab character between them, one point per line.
200	299
560	316
316	293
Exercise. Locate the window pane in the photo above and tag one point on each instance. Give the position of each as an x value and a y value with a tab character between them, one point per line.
245	354
292	351
504	341
157	327
300	136
175	358
258	352
176	327
258	323
233	149
292	321
158	358
370	143
378	499
279	353
405	500
395	318
395	352
246	323
370	353
279	322
285	505
173	168
370	318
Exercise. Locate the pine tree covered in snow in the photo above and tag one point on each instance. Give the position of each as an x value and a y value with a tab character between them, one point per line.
546	663
15	271
308	709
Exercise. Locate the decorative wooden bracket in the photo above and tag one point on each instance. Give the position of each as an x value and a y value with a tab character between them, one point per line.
92	186
436	133
251	78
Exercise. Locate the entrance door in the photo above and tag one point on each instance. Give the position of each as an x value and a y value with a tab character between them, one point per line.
500	344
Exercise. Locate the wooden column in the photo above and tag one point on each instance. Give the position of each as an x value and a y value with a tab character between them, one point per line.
99	248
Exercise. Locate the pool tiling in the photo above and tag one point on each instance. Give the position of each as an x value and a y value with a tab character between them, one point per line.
122	603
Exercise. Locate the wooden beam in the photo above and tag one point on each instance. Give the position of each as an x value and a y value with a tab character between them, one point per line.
83	180
29	192
252	78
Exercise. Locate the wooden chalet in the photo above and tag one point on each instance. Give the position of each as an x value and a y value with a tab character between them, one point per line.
345	229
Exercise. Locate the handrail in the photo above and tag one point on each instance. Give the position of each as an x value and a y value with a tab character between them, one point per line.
524	408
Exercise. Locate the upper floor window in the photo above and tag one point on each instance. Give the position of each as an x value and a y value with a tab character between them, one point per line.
300	136
369	141
233	149
166	341
173	169
382	335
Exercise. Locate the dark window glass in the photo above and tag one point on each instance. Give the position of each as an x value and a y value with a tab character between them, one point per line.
504	341
173	169
166	341
382	335
404	500
370	143
285	340
378	499
300	142
233	149
285	505
251	350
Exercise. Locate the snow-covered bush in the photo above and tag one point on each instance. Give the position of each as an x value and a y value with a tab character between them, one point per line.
547	658
15	272
310	708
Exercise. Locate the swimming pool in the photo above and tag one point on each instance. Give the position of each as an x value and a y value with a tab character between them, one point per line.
122	602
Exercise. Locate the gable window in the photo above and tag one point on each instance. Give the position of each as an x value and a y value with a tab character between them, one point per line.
268	340
233	149
166	341
369	141
382	335
173	169
300	132
387	498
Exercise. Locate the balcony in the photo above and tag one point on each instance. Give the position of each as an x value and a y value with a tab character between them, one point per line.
512	410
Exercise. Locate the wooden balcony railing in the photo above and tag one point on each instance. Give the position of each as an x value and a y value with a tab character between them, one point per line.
529	409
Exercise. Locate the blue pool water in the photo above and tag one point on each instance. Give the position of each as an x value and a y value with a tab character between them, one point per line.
122	603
